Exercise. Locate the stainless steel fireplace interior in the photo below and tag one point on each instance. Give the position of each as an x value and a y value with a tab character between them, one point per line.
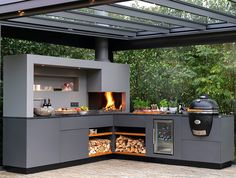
163	140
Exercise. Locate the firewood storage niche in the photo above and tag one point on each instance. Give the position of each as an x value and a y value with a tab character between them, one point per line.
130	141
100	141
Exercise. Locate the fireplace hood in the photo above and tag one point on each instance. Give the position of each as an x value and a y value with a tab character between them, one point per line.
113	78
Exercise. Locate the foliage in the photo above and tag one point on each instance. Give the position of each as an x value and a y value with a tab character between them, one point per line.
14	47
84	108
164	103
140	104
173	103
183	73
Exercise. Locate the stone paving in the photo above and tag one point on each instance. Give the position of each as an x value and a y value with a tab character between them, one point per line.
128	169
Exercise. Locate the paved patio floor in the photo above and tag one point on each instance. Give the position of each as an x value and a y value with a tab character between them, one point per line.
128	169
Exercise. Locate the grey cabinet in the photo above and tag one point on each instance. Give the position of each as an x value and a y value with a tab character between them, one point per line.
201	151
130	120
218	147
14	142
42	145
74	145
215	134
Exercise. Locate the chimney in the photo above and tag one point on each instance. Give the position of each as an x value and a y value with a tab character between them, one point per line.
101	44
101	50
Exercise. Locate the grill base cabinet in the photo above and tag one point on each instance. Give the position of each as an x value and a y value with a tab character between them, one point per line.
218	147
214	151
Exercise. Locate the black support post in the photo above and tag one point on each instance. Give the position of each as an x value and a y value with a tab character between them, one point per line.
1	97
1	74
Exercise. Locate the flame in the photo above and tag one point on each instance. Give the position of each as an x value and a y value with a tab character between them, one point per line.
110	105
110	101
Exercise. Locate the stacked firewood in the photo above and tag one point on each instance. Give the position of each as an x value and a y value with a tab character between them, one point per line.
99	146
130	145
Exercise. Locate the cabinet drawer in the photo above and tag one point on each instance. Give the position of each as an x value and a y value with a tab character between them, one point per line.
71	123
129	121
74	145
100	121
201	151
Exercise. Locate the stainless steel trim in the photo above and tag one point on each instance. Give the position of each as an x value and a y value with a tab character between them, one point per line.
205	112
199	132
153	136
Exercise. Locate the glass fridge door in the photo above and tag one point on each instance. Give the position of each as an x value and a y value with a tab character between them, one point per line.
163	137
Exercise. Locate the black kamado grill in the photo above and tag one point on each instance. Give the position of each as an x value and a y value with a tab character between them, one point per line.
201	112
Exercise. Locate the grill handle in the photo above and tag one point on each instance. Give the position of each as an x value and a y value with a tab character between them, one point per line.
154	136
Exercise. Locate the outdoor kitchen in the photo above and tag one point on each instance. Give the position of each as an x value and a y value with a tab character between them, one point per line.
116	88
84	113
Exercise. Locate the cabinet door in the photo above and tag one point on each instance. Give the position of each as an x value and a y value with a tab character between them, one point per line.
42	145
163	137
74	145
202	151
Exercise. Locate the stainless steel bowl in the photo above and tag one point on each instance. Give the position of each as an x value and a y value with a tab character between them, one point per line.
83	112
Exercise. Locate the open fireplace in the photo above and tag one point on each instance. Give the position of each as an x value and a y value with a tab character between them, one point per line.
107	101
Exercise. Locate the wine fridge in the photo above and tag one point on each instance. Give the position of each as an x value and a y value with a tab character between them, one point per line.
163	137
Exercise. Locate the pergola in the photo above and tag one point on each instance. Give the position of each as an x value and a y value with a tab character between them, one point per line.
79	22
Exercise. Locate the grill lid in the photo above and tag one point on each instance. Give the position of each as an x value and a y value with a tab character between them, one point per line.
204	105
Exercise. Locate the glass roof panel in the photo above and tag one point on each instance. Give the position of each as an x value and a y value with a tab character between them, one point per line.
225	6
125	17
63	19
170	11
5	2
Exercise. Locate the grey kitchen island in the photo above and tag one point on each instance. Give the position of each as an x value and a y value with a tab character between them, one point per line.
32	144
35	144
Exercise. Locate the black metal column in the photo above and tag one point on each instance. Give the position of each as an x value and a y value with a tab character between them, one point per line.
1	98
101	50
1	74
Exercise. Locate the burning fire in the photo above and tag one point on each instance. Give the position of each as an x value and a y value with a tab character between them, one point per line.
110	106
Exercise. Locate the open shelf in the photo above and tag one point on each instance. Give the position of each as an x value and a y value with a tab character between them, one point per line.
55	75
131	134
52	91
100	154
100	134
127	153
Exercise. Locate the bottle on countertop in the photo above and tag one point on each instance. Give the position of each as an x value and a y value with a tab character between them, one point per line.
45	103
180	108
49	105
